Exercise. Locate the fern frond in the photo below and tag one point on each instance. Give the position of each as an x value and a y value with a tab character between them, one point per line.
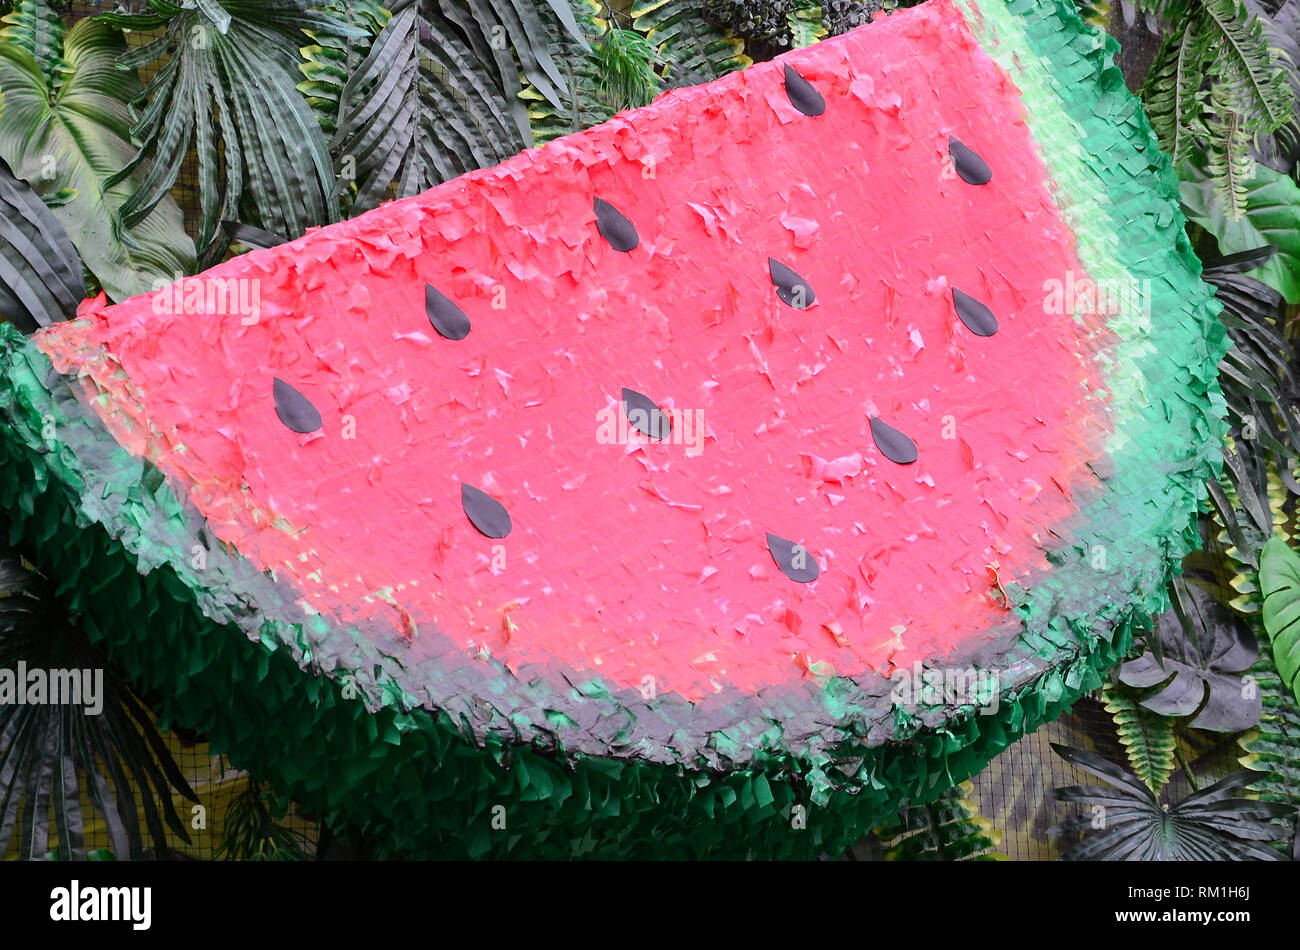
1157	11
806	23
1228	160
1147	737
1247	72
1282	31
1172	92
947	829
692	50
37	27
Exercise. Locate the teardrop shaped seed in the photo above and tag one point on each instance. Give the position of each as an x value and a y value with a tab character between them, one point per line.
447	318
970	166
294	409
978	318
615	227
893	444
485	512
645	415
793	559
790	287
803	96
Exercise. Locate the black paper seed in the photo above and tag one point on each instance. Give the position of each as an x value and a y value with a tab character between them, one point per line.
790	287
485	512
970	166
794	560
614	227
645	416
893	444
294	409
802	95
978	318
447	318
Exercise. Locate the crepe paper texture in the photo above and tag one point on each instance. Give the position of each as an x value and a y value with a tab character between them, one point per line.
394	539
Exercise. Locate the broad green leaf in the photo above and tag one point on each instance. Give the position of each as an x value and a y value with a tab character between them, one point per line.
1279	579
1272	217
74	139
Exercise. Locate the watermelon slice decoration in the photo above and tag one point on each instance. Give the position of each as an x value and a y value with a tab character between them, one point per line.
603	501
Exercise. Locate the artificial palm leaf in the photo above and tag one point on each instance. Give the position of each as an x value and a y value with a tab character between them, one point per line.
1257	375
586	102
40	272
1204	649
948	829
72	138
1147	737
226	86
1129	823
1258	382
438	94
252	833
618	69
1245	67
49	751
692	50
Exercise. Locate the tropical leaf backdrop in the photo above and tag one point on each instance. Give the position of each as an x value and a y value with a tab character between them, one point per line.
145	143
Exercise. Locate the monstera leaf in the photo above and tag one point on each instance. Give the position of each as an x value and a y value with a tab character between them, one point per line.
71	134
1204	650
1279	578
1131	825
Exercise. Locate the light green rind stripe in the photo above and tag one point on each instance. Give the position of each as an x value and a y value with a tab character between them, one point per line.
1118	193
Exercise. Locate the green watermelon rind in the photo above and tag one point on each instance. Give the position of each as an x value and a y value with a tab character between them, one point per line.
421	784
